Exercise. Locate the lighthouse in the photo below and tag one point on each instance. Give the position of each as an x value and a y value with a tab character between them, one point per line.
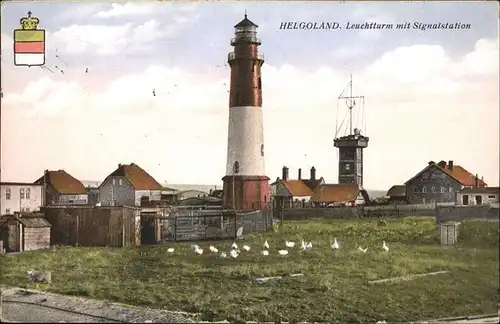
245	185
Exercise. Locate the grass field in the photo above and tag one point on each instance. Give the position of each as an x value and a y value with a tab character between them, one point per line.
335	286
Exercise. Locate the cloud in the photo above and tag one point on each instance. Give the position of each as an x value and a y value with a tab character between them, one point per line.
418	108
143	8
111	40
127	9
106	40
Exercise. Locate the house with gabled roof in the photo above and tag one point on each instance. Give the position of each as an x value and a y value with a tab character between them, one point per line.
342	194
128	185
440	182
295	192
396	194
61	188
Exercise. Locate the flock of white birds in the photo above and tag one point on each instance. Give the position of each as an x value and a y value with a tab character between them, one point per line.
235	250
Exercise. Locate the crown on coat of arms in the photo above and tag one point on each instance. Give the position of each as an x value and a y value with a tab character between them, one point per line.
29	23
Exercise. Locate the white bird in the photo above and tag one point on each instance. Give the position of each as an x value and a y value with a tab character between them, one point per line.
335	245
264	252
362	250
233	254
289	244
170	250
283	252
266	245
223	255
198	251
303	245
385	247
213	249
234	245
309	245
246	248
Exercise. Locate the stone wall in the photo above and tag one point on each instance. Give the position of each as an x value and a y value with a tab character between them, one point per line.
460	213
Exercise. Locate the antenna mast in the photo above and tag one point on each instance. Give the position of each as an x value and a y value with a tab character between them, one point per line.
350	101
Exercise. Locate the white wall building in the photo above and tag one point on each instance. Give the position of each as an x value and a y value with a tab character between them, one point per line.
20	197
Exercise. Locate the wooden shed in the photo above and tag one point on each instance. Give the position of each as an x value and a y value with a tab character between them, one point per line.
24	233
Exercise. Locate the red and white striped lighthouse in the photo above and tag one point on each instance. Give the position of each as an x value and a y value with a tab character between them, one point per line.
245	185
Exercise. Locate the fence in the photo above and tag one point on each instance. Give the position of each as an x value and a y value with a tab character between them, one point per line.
460	213
399	210
93	226
186	224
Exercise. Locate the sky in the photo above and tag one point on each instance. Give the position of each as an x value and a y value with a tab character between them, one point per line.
429	95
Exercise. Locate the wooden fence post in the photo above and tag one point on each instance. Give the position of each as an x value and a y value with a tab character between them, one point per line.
235	226
175	228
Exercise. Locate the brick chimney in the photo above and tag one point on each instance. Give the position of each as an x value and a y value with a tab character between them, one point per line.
450	165
119	165
284	173
300	174
476	182
313	173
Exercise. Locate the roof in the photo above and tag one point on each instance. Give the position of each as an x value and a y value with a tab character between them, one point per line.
297	188
245	23
312	184
397	191
200	201
336	193
138	178
63	183
30	221
34	222
488	190
457	172
18	184
193	191
300	187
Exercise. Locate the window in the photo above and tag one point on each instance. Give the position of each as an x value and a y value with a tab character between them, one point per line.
347	167
442	189
120	182
28	193
259	83
262	150
424	189
415	190
21	193
479	200
236	167
7	211
492	197
114	182
27	209
7	194
433	189
451	189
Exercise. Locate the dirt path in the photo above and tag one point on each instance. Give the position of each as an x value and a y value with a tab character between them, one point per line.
31	306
